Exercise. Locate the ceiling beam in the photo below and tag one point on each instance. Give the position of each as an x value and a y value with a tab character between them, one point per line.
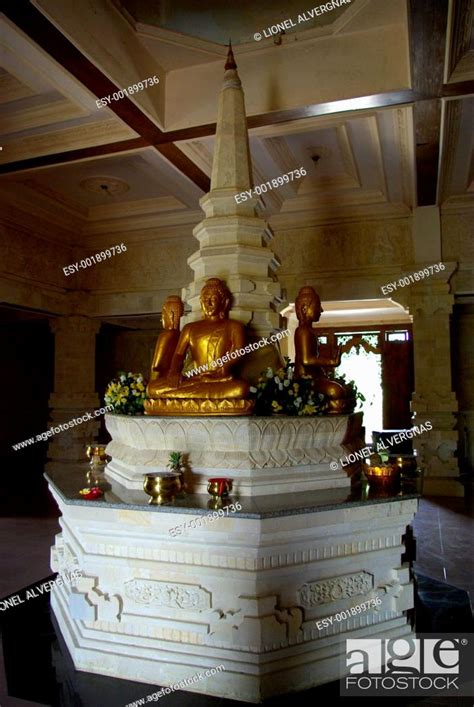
39	29
462	89
428	27
59	158
377	101
428	32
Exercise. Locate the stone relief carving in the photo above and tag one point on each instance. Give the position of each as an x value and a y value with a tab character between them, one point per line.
293	618
109	608
259	624
251	443
173	596
349	585
87	602
222	625
62	558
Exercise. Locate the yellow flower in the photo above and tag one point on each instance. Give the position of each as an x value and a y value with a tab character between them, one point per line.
296	387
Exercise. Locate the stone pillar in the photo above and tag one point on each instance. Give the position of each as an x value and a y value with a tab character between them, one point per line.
430	302
74	384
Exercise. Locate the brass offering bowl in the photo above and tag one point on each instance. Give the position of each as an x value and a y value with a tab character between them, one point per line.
219	487
383	476
161	486
96	454
179	473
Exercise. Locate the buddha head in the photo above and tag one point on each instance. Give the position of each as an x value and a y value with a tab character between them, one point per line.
215	299
308	305
173	310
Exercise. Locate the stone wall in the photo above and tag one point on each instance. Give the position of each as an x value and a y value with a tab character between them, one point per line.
31	268
458	245
463	377
343	261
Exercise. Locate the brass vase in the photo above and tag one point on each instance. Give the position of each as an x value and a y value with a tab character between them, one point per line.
161	486
179	473
219	487
96	455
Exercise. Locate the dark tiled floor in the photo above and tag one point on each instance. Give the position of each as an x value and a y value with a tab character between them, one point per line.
24	551
443	529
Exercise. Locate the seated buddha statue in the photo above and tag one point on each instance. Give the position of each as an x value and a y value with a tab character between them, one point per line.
207	388
309	362
173	309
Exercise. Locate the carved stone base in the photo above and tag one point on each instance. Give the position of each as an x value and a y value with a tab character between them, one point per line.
204	407
263	455
244	593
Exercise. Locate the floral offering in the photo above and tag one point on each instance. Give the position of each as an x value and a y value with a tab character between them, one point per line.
90	494
279	392
126	393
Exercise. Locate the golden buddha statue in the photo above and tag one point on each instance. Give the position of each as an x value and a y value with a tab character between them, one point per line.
309	362
207	389
173	310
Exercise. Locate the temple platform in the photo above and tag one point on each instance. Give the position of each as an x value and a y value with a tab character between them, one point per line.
263	455
244	591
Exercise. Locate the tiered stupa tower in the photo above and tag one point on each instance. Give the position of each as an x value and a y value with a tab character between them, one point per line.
233	239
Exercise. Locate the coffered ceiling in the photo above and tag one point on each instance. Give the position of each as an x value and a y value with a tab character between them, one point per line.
365	156
45	110
351	162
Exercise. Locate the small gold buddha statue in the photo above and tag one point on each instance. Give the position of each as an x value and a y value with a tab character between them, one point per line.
208	389
309	362
173	310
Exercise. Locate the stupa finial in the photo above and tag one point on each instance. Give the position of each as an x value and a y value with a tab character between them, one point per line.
230	62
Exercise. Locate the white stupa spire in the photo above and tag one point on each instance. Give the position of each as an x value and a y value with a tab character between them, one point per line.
232	237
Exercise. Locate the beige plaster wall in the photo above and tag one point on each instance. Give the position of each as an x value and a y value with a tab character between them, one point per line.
458	245
127	350
343	261
463	375
139	280
341	66
31	269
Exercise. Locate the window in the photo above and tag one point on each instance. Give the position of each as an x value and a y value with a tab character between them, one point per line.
397	336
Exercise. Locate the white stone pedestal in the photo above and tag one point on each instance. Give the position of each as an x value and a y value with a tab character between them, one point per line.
244	591
263	455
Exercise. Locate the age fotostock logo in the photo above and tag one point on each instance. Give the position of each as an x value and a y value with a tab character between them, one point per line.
426	665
